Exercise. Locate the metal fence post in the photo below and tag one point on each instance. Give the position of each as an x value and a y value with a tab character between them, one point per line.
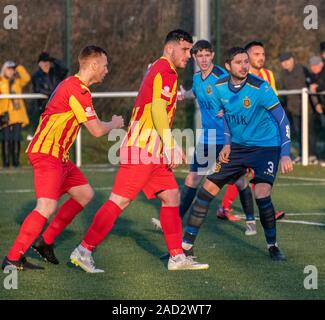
304	126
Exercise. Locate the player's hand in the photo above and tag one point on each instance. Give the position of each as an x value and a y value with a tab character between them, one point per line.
286	164
181	95
313	88
175	157
224	154
117	122
319	108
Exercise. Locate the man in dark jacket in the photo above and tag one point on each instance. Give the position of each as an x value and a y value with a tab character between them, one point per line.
296	76
50	73
317	68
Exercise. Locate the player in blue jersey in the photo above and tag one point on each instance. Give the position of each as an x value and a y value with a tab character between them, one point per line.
211	139
257	136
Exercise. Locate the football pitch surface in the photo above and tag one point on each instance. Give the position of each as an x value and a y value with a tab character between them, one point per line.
240	267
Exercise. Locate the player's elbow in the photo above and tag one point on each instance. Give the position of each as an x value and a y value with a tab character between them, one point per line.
97	133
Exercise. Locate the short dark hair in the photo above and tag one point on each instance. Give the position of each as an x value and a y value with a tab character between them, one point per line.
232	52
91	51
253	44
201	45
178	35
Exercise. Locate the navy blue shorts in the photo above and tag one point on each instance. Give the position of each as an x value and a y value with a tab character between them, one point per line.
205	158
263	160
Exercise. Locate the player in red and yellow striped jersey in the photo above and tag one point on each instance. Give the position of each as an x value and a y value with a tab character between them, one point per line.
256	53
69	107
142	167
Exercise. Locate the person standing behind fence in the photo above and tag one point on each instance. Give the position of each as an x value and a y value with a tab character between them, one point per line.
317	69
13	113
50	73
297	76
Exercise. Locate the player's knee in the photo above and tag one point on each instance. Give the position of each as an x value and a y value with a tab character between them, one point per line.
46	207
119	200
88	195
171	198
193	180
241	183
262	190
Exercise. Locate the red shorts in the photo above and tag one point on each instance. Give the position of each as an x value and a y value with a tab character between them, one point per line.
149	178
52	177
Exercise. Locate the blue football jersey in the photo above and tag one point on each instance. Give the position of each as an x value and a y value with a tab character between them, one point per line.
204	91
247	111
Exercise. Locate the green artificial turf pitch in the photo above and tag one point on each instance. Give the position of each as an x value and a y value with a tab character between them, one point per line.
240	267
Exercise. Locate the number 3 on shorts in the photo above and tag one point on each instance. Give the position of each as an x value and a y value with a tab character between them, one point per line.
271	167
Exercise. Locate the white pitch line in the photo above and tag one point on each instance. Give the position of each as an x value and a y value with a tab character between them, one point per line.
302	178
303	222
292	184
32	190
305	214
297	221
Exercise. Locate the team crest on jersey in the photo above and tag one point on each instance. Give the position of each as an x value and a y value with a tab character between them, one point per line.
209	90
247	102
217	168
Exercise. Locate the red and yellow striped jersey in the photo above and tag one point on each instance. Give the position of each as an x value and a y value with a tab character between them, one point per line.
268	76
159	82
69	106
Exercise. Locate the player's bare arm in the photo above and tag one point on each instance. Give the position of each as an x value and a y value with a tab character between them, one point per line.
173	152
98	128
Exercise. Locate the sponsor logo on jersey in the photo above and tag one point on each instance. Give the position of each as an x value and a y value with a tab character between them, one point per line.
166	92
90	112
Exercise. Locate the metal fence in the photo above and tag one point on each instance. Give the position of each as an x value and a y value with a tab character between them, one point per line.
130	94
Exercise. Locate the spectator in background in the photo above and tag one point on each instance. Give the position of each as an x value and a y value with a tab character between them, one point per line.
50	73
13	111
317	69
297	76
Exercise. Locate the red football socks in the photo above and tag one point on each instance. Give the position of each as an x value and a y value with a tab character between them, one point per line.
30	229
230	196
61	220
102	224
171	224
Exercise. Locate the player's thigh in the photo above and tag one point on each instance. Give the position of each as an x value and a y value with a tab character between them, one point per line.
48	176
228	173
264	161
75	181
130	180
161	179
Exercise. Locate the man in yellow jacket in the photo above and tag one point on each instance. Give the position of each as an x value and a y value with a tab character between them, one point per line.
13	115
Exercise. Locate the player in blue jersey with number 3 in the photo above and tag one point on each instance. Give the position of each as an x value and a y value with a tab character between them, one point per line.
257	136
